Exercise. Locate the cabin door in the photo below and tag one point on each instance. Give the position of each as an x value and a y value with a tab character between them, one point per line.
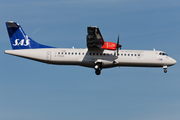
48	56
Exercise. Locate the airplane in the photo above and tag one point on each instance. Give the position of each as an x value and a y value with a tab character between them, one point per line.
99	54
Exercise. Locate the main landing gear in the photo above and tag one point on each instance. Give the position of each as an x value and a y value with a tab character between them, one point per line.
98	68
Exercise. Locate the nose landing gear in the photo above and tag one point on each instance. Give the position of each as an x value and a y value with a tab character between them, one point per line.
165	69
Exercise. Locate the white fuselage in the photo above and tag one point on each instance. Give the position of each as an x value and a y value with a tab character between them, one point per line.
88	58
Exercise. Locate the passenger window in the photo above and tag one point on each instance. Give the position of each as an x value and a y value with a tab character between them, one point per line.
131	54
65	53
69	53
93	53
62	53
134	54
124	54
139	55
89	53
96	53
121	54
104	54
128	54
79	53
72	53
100	53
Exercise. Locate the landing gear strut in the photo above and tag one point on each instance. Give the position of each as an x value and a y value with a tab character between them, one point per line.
98	68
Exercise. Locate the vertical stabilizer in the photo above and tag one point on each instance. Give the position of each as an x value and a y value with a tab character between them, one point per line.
18	38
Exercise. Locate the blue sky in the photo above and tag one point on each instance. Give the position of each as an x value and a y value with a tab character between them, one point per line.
31	90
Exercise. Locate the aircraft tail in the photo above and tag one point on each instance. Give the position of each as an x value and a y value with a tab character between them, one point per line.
18	38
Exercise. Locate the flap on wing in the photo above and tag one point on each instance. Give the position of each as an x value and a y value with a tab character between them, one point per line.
94	38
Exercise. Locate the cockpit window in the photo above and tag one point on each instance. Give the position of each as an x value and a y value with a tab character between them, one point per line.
161	53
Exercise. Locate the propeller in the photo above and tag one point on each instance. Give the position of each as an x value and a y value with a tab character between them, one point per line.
118	45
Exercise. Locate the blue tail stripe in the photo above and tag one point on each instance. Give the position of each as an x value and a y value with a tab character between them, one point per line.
19	40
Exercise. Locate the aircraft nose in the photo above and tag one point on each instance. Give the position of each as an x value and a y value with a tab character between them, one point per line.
173	61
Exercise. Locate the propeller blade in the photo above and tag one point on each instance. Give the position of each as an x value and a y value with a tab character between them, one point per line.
117	47
118	40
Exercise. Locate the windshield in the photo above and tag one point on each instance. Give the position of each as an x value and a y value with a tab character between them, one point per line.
162	53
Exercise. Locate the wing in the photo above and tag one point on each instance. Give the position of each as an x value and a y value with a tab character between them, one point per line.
94	38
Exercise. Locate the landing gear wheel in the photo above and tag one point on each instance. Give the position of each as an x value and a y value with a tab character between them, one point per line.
165	70
98	72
